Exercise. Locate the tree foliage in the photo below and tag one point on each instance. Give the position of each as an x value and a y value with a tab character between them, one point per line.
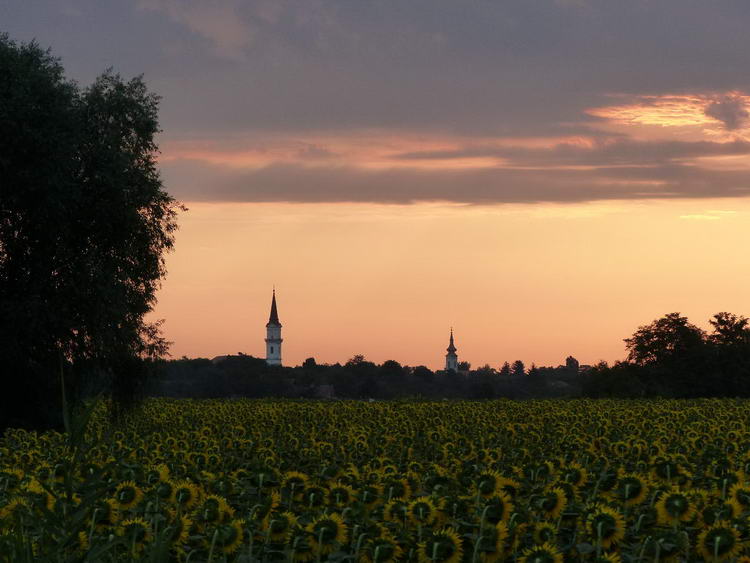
84	227
672	357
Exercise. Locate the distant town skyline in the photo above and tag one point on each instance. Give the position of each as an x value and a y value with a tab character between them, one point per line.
543	176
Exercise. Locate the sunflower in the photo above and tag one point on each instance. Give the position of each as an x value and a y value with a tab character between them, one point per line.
326	532
301	547
229	536
497	508
294	482
314	496
668	471
340	495
575	474
11	478
106	514
384	549
553	502
40	495
491	542
127	495
83	542
422	511
397	488
396	510
673	507
279	526
15	505
605	525
713	514
544	532
443	546
136	532
632	489
214	510
487	483
718	543
165	489
178	529
370	495
185	495
739	498
156	474
545	553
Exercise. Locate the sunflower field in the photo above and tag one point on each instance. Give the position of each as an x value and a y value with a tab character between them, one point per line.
444	482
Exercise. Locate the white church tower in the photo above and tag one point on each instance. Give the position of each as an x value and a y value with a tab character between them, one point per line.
273	336
451	359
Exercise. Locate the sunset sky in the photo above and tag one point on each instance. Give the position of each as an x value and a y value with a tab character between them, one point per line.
542	175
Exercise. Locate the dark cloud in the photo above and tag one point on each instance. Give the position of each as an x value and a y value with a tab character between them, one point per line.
480	68
730	110
619	152
484	70
197	181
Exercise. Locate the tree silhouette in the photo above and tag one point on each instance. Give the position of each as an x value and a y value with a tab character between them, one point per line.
84	225
518	368
663	340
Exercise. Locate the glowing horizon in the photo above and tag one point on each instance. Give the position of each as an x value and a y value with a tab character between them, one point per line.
582	295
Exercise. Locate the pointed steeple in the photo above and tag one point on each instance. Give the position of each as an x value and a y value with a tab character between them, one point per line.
274	317
451	346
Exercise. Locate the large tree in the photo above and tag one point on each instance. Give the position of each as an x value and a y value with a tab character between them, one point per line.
666	339
84	227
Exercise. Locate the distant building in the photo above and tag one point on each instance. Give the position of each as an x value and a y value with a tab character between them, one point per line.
273	335
451	358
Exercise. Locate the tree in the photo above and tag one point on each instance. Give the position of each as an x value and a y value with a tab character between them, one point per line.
675	358
518	368
664	340
464	366
730	330
572	364
505	369
423	372
391	368
730	353
309	363
485	370
84	227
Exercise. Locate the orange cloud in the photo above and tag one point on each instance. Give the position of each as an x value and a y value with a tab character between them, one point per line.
721	111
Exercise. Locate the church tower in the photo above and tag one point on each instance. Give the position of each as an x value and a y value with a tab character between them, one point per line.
451	359
273	336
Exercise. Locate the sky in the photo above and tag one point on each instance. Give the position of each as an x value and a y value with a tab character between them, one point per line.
542	175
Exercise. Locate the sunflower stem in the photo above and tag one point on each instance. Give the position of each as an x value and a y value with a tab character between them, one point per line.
213	545
643	548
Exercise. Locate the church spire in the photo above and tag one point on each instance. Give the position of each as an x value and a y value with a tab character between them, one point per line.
451	347
273	335
274	317
451	358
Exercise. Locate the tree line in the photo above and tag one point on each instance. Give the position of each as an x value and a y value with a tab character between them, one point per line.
358	378
669	357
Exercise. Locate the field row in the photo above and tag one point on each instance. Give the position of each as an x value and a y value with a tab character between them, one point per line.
538	481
